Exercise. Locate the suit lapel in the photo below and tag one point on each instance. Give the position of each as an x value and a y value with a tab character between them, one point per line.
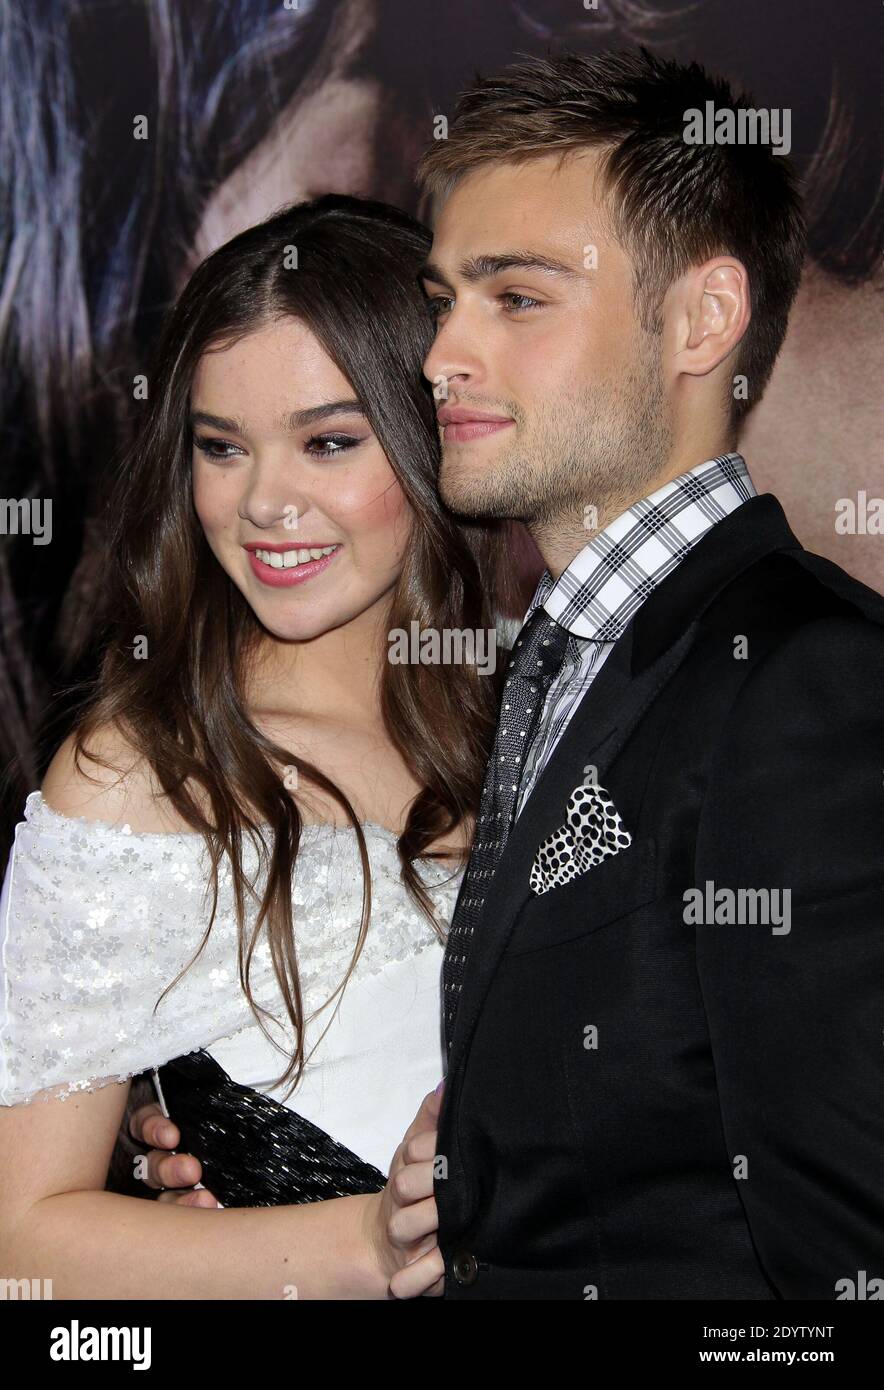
650	651
601	724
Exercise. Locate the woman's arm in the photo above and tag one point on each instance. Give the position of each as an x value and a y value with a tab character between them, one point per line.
57	1222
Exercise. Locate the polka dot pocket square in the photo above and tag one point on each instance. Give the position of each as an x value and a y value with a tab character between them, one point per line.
592	832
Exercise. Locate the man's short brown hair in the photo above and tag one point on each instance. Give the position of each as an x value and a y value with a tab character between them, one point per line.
671	204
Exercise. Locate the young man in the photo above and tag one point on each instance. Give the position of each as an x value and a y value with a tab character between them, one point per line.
664	982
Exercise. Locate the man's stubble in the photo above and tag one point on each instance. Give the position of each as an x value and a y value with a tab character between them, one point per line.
599	450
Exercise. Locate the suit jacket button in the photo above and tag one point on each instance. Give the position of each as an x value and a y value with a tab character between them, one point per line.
466	1267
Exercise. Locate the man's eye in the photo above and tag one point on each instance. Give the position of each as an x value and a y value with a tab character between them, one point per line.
327	445
516	301
208	446
439	304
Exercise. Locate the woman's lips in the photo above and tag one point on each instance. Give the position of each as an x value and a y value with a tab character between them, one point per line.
284	578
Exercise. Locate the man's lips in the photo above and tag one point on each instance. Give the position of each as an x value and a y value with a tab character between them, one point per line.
462	422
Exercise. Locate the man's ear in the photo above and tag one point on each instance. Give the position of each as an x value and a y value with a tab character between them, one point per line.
712	314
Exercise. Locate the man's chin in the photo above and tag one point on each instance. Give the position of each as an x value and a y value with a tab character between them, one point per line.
465	496
468	488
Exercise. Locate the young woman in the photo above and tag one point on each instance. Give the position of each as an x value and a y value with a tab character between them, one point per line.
255	872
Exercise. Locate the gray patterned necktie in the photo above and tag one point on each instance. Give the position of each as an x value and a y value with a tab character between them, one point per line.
536	659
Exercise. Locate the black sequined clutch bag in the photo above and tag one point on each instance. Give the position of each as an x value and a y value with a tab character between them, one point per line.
254	1151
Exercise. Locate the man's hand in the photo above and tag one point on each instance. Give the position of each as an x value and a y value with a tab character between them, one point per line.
167	1170
406	1218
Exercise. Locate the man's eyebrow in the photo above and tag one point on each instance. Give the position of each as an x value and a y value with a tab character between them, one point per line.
476	268
430	271
292	420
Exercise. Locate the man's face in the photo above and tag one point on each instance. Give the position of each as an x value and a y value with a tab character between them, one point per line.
536	328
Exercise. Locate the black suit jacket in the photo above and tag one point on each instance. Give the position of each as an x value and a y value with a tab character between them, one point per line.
724	1137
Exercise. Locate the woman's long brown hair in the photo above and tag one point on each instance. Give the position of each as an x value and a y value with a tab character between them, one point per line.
183	709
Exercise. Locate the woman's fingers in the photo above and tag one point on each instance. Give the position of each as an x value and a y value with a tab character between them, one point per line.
412	1182
201	1198
427	1116
172	1170
407	1218
423	1247
410	1224
420	1146
426	1275
153	1129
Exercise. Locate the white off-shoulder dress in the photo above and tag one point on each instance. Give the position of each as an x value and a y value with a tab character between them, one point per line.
96	921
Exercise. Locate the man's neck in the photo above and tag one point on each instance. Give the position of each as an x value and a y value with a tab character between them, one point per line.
561	539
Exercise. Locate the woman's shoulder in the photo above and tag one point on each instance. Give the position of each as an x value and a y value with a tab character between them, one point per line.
116	787
98	917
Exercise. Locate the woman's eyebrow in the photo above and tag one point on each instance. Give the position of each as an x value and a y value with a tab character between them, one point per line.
290	421
215	422
297	419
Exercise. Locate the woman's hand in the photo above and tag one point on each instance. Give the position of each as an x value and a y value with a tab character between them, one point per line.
400	1222
403	1223
166	1170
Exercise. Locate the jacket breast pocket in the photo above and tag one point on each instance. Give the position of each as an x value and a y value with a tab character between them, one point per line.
603	894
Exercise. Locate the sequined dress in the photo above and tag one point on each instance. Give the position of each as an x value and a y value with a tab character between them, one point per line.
96	921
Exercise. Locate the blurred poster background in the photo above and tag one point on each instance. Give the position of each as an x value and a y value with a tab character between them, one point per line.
251	104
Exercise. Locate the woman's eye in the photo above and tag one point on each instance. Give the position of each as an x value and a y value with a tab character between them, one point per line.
208	446
516	301
327	445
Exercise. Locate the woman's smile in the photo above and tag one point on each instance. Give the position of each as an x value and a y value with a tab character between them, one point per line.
281	567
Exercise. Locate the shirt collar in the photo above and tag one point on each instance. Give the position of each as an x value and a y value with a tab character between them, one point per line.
610	578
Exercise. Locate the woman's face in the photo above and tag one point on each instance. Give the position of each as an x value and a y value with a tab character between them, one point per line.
289	464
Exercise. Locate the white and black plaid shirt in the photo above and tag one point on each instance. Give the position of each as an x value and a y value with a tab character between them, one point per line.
609	580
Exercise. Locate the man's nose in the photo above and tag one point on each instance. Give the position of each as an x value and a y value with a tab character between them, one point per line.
453	359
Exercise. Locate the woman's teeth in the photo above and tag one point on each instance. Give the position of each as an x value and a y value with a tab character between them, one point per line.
288	559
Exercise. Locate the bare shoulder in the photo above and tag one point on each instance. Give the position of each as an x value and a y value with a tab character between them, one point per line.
116	786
